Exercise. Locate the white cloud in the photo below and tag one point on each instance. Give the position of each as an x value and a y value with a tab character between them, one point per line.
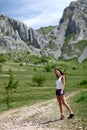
44	19
49	12
37	13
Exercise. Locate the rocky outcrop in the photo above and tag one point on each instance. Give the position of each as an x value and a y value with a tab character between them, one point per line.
12	30
72	29
63	41
83	56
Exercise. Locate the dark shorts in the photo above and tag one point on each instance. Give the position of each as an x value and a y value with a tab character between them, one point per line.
58	92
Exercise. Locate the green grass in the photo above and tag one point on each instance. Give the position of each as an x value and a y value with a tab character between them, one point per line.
80	45
79	106
46	30
29	92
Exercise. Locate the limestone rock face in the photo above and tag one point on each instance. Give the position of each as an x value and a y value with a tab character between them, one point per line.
67	40
72	29
16	36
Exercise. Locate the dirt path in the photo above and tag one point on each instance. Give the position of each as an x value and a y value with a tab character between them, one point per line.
41	116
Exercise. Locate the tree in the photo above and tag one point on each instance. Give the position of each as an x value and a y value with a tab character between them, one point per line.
0	68
9	87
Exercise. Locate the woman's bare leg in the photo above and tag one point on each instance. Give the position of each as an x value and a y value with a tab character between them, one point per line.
60	104
66	104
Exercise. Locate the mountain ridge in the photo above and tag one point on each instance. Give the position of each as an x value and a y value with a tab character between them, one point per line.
67	40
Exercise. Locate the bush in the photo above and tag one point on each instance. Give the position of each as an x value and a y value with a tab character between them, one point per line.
2	58
74	68
0	68
39	79
47	68
44	59
84	82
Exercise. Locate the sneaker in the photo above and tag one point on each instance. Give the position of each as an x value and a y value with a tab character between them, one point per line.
71	116
62	117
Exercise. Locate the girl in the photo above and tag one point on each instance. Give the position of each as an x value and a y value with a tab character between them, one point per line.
60	94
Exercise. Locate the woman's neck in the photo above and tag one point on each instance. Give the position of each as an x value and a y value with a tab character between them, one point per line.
59	75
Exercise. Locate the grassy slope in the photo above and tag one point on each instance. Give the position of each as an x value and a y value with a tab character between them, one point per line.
46	30
29	93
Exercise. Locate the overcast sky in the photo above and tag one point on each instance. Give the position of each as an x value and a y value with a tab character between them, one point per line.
35	13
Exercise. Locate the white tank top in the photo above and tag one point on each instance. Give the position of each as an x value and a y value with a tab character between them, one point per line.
59	83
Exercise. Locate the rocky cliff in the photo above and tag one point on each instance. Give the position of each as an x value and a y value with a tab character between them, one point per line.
15	35
67	40
71	34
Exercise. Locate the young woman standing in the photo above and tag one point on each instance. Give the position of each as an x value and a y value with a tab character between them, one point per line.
60	94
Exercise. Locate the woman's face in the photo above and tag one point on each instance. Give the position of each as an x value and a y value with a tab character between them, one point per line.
57	72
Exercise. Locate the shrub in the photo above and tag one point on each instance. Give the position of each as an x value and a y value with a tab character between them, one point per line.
44	59
73	68
2	58
39	79
84	82
0	68
47	68
35	68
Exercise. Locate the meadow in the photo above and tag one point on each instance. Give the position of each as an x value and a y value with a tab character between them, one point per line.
28	92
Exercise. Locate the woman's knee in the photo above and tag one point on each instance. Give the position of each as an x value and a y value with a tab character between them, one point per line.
60	103
64	103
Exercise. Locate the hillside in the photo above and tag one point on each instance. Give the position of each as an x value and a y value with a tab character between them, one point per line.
66	41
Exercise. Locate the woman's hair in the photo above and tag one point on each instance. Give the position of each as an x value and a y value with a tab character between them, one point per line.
60	72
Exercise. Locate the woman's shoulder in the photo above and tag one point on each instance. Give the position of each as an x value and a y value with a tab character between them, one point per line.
63	77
